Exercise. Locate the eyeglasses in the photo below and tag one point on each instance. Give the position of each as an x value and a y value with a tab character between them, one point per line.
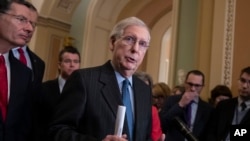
130	40
70	61
21	19
243	81
194	85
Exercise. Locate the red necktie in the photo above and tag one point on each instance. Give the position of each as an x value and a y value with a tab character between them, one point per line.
22	57
3	88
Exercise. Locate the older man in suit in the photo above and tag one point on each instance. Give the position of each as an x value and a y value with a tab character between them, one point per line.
91	96
188	107
234	111
17	24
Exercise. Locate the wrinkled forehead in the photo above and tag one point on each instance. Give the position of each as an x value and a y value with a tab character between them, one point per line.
138	31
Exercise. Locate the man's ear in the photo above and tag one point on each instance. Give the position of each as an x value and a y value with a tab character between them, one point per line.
111	43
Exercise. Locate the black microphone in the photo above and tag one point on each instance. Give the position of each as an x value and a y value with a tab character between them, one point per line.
182	127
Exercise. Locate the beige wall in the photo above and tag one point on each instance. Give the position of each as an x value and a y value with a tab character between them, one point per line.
101	15
241	55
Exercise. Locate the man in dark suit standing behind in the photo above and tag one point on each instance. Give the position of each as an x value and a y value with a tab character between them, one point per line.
188	107
68	62
91	96
233	111
17	24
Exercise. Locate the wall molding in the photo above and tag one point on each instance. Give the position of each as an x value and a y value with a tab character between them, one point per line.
53	23
229	41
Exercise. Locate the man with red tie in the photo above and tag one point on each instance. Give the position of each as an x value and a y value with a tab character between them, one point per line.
17	24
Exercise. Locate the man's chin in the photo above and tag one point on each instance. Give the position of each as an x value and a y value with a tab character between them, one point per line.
245	96
20	43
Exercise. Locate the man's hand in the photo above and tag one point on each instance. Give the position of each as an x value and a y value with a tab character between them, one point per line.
162	138
186	98
115	138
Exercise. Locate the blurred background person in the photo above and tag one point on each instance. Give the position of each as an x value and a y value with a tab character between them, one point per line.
156	133
178	89
145	77
160	93
68	61
219	93
234	111
188	107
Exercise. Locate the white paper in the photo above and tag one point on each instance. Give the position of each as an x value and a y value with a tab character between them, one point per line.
120	120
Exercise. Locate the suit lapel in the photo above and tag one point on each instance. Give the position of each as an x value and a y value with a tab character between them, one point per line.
110	91
20	80
139	105
246	118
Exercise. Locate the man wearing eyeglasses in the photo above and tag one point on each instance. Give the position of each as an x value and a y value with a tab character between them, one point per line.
17	23
188	107
234	111
91	96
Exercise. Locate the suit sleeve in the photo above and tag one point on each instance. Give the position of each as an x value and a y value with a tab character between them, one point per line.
69	112
170	110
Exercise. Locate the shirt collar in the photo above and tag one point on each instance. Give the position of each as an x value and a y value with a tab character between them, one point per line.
196	100
240	101
61	82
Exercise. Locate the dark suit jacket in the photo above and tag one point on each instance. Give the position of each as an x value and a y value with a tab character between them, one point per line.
38	67
171	110
49	100
219	125
88	106
19	121
51	95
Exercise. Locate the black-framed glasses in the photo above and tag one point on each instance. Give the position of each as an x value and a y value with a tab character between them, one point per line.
131	40
243	81
194	85
21	19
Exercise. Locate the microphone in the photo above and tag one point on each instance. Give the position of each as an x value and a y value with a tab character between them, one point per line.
182	127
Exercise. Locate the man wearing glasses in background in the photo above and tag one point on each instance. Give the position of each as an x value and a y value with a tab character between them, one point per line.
17	118
232	112
187	107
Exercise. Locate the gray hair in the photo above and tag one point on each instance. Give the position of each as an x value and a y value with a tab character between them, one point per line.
118	29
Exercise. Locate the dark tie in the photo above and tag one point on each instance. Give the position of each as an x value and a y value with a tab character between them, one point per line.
3	88
189	113
243	106
22	56
127	103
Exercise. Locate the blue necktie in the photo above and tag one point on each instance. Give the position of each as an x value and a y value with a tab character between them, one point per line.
127	103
